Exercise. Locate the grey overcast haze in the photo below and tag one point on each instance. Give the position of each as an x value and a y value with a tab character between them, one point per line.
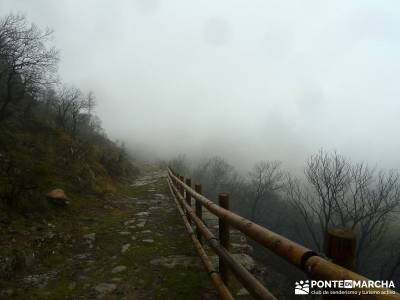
247	80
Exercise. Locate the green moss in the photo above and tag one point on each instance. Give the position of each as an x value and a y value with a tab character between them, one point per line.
140	192
59	290
182	284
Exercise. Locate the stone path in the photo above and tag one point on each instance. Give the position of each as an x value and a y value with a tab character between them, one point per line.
129	245
241	250
112	248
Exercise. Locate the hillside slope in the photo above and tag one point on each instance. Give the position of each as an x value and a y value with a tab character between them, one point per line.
36	158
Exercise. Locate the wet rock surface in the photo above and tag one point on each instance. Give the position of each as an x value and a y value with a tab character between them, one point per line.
105	287
173	261
118	269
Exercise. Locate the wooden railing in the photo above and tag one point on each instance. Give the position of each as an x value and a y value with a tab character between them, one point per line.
315	266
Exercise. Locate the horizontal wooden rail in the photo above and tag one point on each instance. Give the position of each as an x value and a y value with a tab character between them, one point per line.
282	246
223	291
305	259
256	289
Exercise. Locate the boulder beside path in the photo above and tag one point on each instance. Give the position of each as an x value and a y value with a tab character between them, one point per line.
58	197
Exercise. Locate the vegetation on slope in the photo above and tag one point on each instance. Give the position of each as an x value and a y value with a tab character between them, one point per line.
50	136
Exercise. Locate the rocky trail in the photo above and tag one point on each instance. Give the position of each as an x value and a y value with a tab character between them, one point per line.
129	245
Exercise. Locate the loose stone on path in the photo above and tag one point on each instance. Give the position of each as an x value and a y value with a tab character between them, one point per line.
143	214
148	241
174	261
141	225
118	269
104	288
90	236
125	248
129	222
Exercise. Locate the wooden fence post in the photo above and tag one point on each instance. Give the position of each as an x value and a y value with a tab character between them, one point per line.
224	238
341	246
199	212
173	179
187	196
181	189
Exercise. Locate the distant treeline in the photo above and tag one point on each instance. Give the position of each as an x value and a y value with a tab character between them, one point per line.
334	193
50	136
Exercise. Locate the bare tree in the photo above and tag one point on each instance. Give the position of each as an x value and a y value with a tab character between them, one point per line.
95	125
219	174
91	102
66	105
27	64
179	164
78	106
74	110
265	178
391	268
309	208
216	175
200	172
341	194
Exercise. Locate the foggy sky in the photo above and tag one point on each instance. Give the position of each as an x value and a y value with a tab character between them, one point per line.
248	80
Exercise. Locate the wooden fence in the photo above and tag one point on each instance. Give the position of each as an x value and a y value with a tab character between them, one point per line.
315	266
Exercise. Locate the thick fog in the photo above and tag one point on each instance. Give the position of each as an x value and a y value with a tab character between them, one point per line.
247	80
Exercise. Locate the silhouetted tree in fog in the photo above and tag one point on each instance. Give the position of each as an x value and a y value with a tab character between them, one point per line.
179	164
27	64
72	108
265	178
216	175
342	194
